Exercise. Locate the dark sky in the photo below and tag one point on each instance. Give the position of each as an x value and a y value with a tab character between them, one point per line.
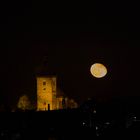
67	42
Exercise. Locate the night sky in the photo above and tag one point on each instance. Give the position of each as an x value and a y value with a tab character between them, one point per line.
36	38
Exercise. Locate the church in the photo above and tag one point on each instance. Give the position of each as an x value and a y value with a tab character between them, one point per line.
49	97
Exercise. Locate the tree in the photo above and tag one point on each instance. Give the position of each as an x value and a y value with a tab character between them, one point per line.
72	104
24	103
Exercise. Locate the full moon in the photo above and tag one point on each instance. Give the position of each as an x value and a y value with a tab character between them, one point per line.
98	70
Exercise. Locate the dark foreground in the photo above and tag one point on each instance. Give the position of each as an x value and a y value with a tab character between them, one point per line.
68	125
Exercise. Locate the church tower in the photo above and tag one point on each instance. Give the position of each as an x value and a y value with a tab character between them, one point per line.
46	93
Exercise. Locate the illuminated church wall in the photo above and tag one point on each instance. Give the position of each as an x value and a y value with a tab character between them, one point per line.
48	97
46	93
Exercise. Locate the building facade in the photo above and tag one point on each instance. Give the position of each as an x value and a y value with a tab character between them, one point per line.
49	97
46	93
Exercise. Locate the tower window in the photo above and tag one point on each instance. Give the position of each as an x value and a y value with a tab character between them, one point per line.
44	83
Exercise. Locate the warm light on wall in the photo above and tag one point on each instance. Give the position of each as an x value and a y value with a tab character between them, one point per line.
49	98
46	93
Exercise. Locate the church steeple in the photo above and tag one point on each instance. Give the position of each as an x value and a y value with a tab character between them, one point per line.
46	93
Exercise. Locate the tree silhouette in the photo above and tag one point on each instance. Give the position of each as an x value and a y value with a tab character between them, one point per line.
24	103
